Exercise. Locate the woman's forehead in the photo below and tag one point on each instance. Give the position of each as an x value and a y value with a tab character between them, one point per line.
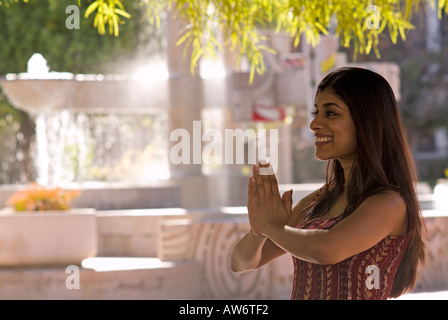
327	97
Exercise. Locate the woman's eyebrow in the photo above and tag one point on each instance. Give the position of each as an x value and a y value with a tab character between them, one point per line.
329	104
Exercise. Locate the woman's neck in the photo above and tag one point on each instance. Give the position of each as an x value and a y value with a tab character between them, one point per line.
347	167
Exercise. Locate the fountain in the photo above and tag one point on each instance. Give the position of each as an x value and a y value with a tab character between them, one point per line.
96	132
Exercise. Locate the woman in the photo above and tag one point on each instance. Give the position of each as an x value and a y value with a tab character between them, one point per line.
360	235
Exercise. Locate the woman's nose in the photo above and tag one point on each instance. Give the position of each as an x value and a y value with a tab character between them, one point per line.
316	124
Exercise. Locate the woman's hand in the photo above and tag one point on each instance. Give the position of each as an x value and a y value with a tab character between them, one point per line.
265	206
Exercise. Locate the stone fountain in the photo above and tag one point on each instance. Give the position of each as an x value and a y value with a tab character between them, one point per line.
79	115
65	105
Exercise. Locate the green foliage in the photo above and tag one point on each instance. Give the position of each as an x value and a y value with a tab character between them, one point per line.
39	26
443	6
238	22
7	3
108	12
15	128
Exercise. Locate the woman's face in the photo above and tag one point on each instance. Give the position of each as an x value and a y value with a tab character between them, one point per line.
334	129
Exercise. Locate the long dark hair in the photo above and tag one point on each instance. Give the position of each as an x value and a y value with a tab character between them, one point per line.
383	160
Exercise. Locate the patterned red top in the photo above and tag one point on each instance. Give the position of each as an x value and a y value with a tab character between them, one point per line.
368	275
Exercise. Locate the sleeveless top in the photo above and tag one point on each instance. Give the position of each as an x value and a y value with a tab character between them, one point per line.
368	275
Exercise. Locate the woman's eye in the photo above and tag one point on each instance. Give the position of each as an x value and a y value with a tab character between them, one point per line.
327	113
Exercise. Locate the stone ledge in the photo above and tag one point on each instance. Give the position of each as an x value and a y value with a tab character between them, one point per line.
430	295
105	278
133	233
433	276
209	242
113	196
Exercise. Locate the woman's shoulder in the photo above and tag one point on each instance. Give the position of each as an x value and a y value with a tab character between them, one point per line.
388	196
387	205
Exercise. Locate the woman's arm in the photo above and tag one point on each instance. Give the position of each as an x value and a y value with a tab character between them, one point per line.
253	251
378	216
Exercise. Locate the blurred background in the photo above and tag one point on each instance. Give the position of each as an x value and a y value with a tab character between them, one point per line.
95	112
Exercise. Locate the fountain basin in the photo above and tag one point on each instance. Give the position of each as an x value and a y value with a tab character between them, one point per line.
85	93
47	238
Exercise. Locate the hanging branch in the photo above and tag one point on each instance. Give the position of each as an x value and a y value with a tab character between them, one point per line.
357	23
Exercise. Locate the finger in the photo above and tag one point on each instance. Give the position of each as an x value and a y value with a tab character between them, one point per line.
274	185
253	197
266	185
287	199
287	203
264	170
254	170
249	197
259	182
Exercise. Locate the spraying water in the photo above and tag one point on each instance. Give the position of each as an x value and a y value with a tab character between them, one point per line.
76	147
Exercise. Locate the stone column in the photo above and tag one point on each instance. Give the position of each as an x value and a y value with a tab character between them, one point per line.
185	104
433	34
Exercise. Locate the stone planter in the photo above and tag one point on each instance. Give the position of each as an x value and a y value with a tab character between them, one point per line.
47	238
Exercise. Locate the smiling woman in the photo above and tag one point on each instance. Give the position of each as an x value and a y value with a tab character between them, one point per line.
360	235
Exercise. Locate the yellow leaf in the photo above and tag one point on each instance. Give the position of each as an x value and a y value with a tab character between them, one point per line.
91	8
123	13
116	29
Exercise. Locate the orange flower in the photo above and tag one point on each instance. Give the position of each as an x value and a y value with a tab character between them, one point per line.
39	198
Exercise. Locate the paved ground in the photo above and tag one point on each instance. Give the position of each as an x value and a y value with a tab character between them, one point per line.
436	295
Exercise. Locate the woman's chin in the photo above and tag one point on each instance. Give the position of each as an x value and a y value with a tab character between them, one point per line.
322	157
